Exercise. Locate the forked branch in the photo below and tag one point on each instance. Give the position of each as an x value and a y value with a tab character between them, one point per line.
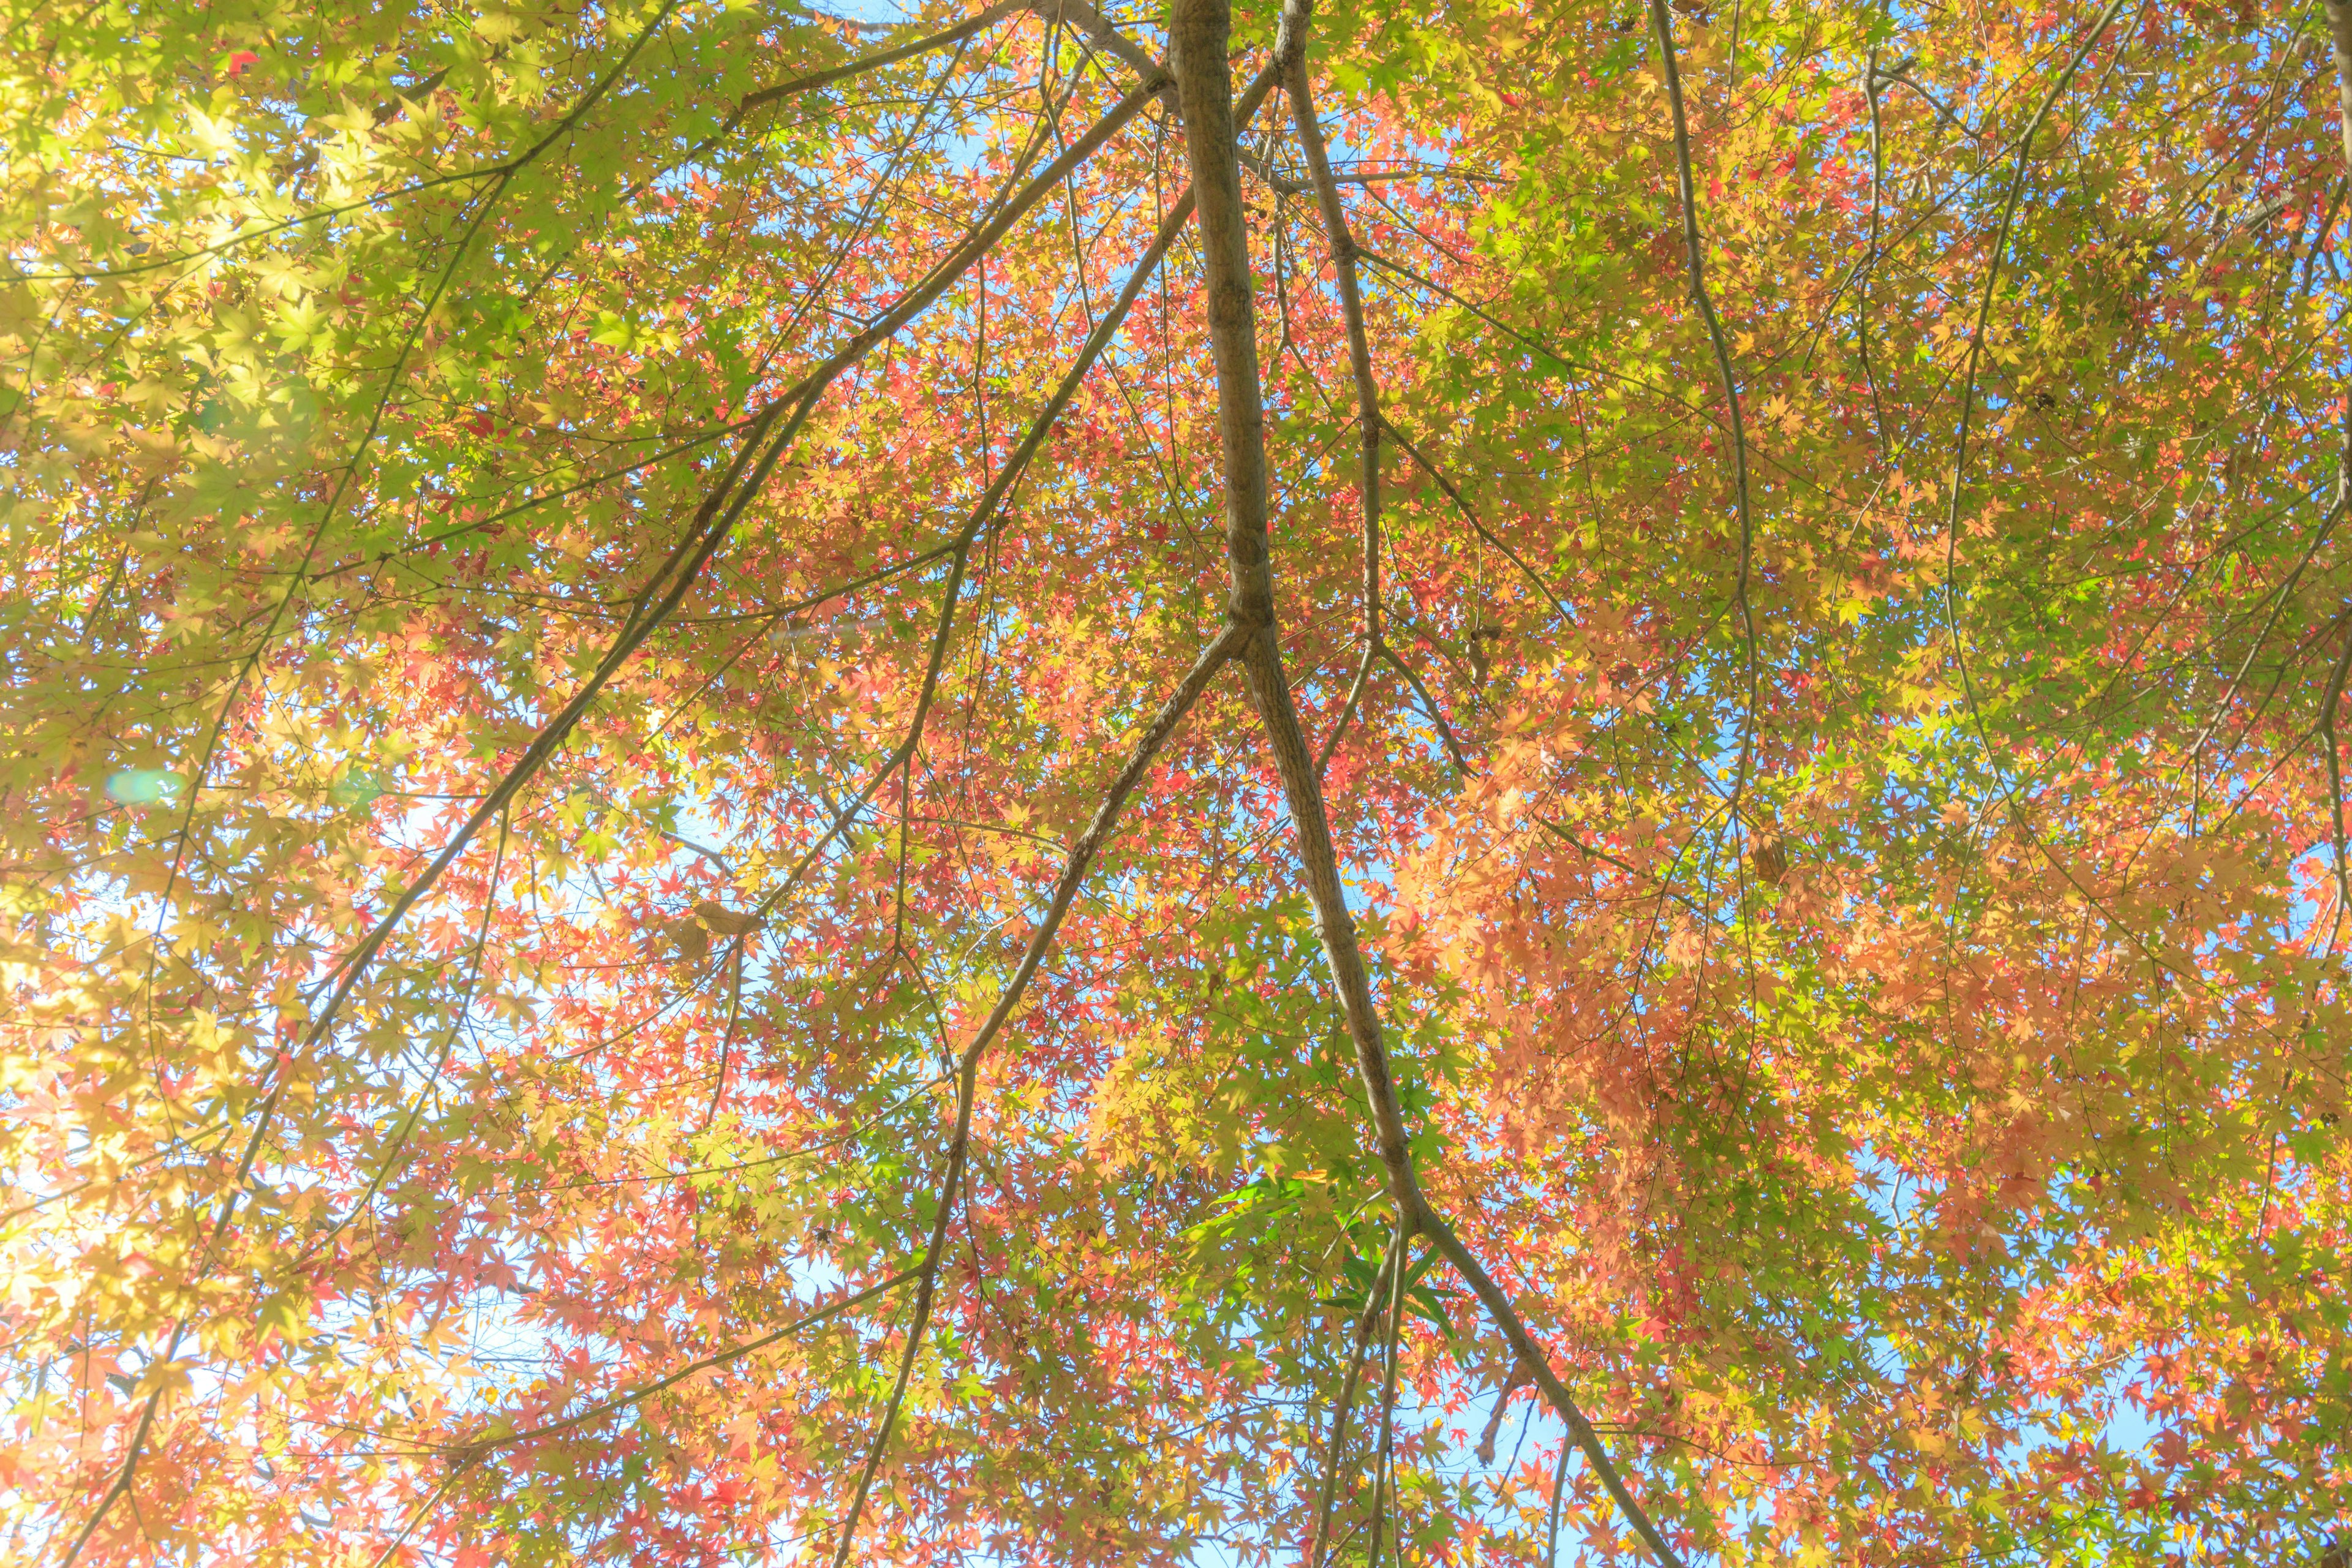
1199	35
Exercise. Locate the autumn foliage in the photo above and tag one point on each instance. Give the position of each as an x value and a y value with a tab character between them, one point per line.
1560	783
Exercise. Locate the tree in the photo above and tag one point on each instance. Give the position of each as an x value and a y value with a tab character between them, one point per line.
1020	785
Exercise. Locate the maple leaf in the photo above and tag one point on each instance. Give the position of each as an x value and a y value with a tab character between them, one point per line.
1594	748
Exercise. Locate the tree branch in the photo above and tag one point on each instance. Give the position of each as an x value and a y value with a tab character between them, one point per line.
1471	513
1360	348
1366	1321
1066	890
876	61
1198	31
1693	248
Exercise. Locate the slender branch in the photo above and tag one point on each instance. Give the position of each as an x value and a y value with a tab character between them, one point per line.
504	169
2338	14
1519	1377
1348	708
1360	349
456	1472
440	1061
1066	890
2278	597
2339	32
1951	595
1992	283
1551	1524
1100	28
783	89
1562	833
644	1392
1901	76
1534	344
1871	82
986	508
562	492
1384	1448
1366	1321
1290	187
2328	703
1471	513
1694	250
1429	703
726	1034
126	1473
1506	1318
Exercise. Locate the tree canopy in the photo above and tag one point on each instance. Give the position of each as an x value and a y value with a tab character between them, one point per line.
1498	782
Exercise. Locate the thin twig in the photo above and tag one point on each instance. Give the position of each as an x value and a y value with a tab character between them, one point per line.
1475	522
